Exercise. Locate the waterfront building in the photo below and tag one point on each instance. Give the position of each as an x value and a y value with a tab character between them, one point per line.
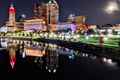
48	11
46	15
3	29
11	23
35	24
45	18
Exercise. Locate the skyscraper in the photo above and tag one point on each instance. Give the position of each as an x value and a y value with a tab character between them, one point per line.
52	12
49	11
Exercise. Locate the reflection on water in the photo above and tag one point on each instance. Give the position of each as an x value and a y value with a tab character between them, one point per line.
45	55
50	59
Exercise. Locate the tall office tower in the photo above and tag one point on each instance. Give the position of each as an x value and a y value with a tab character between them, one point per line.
52	12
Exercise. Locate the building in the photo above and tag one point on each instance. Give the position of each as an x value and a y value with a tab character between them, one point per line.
11	23
35	24
52	12
45	18
80	19
48	11
3	29
44	14
39	10
63	27
71	18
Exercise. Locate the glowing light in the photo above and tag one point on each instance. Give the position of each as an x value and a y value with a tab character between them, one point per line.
86	55
83	54
118	36
4	44
54	70
13	62
49	70
12	9
23	55
112	7
46	67
71	57
105	38
104	59
109	61
91	35
87	37
23	16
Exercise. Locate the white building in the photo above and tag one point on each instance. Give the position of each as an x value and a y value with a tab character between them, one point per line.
3	29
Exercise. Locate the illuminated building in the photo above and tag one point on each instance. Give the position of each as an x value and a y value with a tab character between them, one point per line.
47	11
35	24
3	29
39	10
52	12
92	26
71	18
80	23
63	27
34	52
45	18
116	27
12	21
80	19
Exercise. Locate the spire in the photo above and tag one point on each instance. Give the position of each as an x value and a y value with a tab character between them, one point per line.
12	3
11	8
53	2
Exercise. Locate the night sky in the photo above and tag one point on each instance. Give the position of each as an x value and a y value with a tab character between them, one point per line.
93	9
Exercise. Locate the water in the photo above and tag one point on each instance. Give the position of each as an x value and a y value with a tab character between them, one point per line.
47	61
29	58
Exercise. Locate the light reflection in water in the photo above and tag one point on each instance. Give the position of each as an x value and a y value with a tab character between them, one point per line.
4	43
50	52
12	54
43	53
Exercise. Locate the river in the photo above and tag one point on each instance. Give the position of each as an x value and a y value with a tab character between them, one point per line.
20	58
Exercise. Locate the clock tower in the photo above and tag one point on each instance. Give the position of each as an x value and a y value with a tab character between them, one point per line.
12	20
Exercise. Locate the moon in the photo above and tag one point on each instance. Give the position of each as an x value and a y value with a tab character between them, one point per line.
112	7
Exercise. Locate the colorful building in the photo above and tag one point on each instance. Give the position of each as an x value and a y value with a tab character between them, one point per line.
45	18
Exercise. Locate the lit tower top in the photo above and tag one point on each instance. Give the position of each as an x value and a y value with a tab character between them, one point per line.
52	12
53	2
12	13
12	9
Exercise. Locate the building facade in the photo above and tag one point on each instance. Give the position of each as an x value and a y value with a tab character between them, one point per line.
35	25
45	18
52	12
48	11
12	19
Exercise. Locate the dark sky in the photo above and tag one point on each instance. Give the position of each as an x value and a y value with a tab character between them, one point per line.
93	9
